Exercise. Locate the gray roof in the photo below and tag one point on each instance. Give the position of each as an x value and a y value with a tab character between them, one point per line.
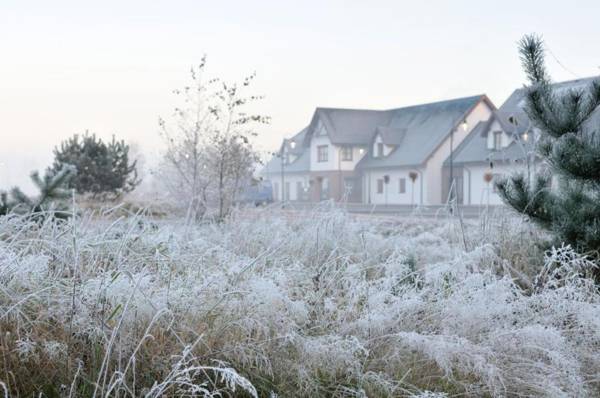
300	164
391	135
420	130
298	139
474	148
516	101
349	126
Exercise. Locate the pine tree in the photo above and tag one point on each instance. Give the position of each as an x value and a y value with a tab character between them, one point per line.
101	168
4	205
51	199
569	144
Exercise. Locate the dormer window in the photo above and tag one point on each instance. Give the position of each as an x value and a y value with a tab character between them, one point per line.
290	158
320	129
322	153
379	153
497	140
346	154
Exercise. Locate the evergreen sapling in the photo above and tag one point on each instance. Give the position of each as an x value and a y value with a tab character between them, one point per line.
565	199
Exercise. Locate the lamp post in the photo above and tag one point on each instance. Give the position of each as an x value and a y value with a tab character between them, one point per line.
363	183
282	156
413	177
340	178
452	192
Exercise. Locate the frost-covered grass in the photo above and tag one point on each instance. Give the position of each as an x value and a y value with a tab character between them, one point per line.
292	304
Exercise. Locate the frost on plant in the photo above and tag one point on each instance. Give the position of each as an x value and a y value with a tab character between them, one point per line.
319	304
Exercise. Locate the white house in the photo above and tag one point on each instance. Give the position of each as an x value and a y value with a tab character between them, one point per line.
405	162
391	156
289	171
501	145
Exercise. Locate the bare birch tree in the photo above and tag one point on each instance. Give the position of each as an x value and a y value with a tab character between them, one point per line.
208	155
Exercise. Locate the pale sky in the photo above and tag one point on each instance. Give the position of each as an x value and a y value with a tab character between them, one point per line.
110	66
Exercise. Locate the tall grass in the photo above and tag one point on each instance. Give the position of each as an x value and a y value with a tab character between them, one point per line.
315	303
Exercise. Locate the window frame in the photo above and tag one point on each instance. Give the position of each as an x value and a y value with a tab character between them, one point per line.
346	153
287	191
380	184
322	153
497	140
299	190
325	188
380	149
402	185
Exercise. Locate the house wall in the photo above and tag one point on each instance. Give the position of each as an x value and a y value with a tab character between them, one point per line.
477	191
356	157
437	192
334	161
504	141
331	163
391	194
293	179
336	183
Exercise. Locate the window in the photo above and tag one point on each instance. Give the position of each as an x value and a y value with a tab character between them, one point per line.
299	191
322	153
497	140
380	185
402	185
276	191
348	185
324	188
346	154
286	192
379	149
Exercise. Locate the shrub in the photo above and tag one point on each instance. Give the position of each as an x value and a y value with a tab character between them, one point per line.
102	169
311	304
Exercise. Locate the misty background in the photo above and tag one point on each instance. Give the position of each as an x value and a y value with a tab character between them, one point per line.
111	67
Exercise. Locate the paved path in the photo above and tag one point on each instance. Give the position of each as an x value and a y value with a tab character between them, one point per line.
467	211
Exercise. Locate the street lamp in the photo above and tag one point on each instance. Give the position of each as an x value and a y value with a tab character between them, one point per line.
465	127
282	158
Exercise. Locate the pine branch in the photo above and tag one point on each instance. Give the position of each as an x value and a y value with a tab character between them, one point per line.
531	50
4	205
571	146
19	198
576	156
534	200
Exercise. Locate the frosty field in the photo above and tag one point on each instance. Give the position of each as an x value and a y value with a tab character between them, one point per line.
269	303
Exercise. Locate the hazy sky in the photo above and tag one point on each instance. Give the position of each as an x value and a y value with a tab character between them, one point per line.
110	66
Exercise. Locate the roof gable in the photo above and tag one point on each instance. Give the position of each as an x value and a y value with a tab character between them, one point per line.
424	128
297	139
515	103
347	126
514	121
391	135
